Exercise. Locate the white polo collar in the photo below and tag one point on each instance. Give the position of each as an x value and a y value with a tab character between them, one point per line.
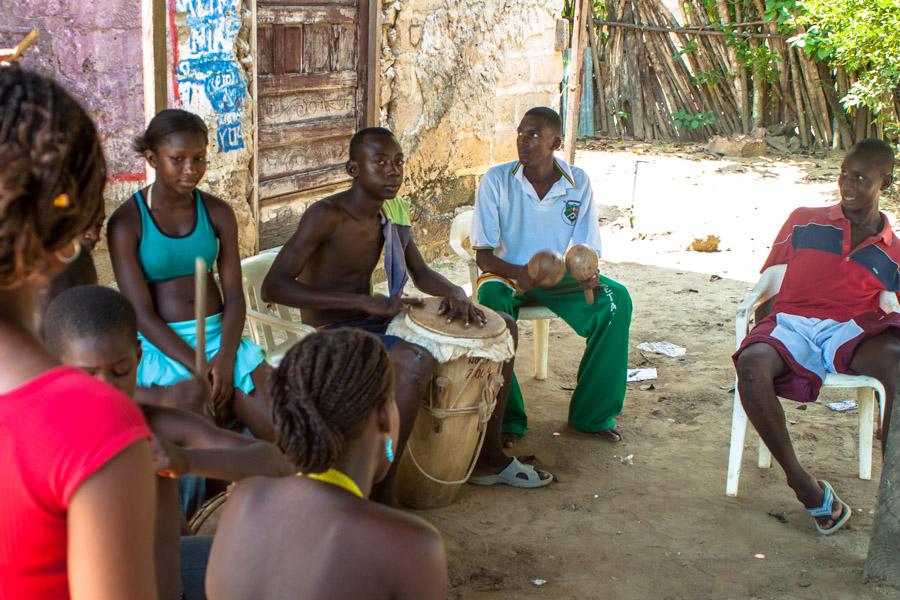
565	170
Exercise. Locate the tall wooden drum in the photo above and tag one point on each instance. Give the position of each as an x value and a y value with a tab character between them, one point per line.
449	430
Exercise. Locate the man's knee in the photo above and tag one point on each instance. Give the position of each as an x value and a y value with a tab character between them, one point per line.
880	358
496	296
412	362
757	362
619	296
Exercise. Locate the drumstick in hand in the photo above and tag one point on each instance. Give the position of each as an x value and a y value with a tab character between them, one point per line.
200	316
200	324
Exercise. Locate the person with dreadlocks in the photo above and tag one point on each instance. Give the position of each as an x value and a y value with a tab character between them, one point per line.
75	475
154	240
337	421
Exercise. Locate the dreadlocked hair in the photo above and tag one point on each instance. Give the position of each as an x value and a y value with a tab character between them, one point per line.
323	391
52	172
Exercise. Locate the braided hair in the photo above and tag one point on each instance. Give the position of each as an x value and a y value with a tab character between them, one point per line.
52	172
323	391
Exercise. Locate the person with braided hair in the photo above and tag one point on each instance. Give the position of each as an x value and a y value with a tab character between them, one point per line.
154	240
336	419
76	475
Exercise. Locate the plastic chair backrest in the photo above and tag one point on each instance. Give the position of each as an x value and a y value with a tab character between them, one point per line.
459	233
254	270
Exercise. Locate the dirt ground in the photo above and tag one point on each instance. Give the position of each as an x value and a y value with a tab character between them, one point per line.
660	526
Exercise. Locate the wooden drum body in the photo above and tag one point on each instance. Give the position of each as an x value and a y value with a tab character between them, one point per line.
450	427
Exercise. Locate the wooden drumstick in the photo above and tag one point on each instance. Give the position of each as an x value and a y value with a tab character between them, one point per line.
27	41
200	316
582	263
546	269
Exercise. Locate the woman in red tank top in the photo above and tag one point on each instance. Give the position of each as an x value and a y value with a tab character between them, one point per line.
77	493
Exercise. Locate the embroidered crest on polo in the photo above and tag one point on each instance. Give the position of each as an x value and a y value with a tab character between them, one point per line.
570	211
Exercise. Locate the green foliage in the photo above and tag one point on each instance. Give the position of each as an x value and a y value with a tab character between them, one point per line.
687	49
710	77
863	37
686	120
761	60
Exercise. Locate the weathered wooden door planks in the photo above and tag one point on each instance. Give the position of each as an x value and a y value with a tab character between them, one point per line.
312	98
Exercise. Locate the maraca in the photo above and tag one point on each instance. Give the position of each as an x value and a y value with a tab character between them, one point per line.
545	269
582	263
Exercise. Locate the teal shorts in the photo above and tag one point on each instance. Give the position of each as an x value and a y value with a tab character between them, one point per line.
158	369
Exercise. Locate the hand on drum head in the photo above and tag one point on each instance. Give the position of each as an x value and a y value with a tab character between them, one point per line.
382	306
462	309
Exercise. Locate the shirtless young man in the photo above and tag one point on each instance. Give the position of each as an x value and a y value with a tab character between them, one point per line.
325	269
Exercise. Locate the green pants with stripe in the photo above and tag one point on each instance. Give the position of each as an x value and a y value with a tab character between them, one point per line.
600	391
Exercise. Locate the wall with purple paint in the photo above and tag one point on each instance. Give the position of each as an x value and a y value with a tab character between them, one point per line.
94	50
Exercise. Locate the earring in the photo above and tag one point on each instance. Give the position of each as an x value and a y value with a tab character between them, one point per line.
69	259
389	449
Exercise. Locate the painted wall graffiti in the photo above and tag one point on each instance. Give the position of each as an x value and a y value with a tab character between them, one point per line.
207	70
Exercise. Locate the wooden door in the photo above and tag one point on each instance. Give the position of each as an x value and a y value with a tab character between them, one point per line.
312	62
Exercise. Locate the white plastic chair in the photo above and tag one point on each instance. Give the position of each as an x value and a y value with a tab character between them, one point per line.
867	388
540	315
271	325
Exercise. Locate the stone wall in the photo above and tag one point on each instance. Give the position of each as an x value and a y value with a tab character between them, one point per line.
95	52
210	76
457	76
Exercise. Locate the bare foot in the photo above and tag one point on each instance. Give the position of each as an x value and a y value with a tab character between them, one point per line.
510	439
611	435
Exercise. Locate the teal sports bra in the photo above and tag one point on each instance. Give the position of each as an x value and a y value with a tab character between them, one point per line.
166	257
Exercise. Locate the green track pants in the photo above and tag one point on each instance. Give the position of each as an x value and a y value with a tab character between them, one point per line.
600	391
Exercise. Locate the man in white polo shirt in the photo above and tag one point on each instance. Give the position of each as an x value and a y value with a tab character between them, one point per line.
541	203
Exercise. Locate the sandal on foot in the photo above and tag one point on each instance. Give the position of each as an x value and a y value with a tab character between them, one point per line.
515	474
827	510
612	435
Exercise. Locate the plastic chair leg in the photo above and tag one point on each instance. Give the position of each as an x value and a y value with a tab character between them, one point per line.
866	398
764	457
541	348
736	451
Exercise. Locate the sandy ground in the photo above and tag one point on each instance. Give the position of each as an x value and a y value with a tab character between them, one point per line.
661	527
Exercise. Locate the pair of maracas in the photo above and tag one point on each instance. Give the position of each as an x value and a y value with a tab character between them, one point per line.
546	268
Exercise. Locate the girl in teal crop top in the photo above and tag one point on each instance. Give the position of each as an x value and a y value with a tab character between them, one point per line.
167	257
154	242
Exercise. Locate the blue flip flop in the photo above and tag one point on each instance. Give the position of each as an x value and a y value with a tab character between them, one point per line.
511	475
826	510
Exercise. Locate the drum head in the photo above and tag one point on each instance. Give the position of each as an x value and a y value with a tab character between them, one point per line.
427	316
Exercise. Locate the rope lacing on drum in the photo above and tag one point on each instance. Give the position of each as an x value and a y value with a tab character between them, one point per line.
485	409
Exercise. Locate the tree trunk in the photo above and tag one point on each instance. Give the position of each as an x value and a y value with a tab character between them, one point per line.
573	104
883	561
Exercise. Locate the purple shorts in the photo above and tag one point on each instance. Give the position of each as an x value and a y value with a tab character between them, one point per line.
811	348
